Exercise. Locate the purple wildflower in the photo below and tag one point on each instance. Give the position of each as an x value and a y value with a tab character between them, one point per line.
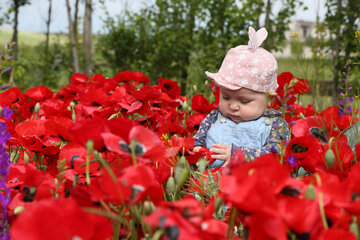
5	86
291	160
6	112
4	171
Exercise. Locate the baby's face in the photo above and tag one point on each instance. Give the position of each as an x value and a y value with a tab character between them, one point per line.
242	105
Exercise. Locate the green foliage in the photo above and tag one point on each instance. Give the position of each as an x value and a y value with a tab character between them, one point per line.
181	39
342	18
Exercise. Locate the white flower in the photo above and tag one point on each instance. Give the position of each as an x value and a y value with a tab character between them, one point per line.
230	66
255	61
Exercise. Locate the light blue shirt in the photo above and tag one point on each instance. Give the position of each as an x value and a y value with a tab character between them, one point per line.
250	134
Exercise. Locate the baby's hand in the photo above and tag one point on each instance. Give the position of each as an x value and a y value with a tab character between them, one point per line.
222	152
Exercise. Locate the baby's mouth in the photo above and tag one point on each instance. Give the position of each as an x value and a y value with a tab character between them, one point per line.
235	118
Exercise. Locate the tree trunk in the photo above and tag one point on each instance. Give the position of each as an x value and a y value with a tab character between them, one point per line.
72	39
48	32
75	22
15	28
88	37
267	14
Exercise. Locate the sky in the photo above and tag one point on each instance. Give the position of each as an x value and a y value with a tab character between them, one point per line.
32	17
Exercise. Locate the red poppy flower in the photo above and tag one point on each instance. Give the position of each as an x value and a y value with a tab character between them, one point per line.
305	111
95	97
75	155
78	78
308	152
137	77
258	224
301	215
193	122
54	107
294	85
41	135
170	87
183	220
59	219
81	134
39	93
147	93
12	97
200	104
251	186
148	148
132	184
215	89
335	234
29	184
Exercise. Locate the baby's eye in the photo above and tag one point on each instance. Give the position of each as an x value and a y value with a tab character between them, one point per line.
226	98
244	101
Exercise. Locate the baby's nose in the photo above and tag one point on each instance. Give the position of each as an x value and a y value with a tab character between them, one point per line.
234	106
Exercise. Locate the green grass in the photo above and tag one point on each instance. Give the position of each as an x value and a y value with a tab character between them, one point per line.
29	38
305	68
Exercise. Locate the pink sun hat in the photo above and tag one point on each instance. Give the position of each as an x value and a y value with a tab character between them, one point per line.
248	66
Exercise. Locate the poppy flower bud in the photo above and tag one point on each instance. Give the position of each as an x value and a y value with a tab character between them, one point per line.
37	107
182	177
354	229
26	158
112	116
195	88
72	104
90	146
330	157
182	162
201	164
73	116
310	192
19	209
14	156
218	202
185	105
69	108
149	207
170	185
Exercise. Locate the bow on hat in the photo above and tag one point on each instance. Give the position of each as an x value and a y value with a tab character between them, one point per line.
256	38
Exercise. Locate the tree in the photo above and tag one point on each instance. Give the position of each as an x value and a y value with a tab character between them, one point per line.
48	30
72	39
87	36
16	4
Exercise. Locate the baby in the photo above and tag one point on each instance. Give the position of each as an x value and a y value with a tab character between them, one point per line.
248	80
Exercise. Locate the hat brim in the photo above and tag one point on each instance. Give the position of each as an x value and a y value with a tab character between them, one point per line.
222	82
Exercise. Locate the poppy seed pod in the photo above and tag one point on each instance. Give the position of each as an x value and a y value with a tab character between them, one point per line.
170	185
330	157
310	192
37	107
26	158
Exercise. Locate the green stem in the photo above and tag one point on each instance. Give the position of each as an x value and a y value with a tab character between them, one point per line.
321	202
132	147
231	222
87	169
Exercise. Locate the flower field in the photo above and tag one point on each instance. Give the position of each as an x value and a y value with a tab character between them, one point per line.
112	158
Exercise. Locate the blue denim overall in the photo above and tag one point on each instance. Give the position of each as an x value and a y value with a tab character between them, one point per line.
251	134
